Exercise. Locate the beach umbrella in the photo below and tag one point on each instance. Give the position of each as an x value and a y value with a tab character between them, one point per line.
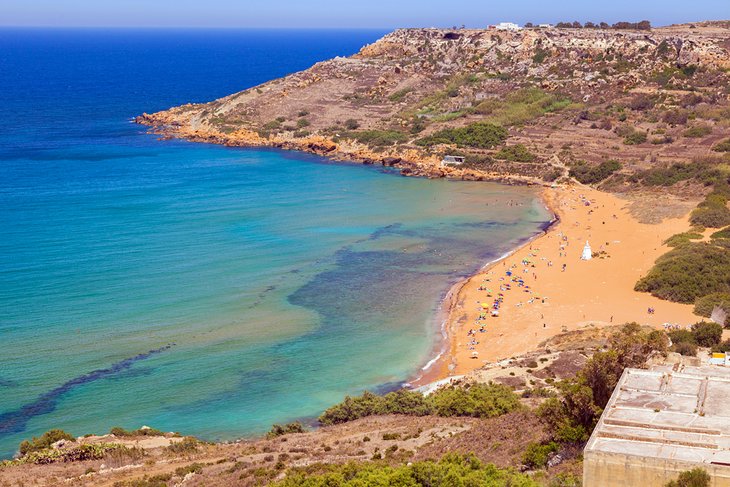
485	305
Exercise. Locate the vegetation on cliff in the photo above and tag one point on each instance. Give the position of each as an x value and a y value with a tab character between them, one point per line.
473	400
451	470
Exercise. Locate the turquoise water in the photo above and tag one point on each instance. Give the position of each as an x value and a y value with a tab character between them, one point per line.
209	290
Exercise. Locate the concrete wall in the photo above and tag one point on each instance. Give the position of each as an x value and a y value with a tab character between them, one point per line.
615	470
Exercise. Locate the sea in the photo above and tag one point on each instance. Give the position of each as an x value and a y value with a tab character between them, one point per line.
203	289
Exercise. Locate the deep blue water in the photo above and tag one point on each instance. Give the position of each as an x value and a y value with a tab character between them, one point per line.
198	288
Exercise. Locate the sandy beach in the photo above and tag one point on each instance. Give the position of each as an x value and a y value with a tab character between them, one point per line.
550	289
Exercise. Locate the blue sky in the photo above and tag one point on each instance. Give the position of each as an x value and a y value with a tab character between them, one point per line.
344	13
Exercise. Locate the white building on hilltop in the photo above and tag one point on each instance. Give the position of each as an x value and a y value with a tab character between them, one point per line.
507	26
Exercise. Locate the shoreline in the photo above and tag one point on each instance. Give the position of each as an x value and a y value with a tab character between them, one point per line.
445	358
572	299
437	368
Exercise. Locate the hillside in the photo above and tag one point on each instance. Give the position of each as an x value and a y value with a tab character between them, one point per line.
522	106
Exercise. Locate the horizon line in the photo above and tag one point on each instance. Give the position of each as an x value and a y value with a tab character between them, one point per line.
232	27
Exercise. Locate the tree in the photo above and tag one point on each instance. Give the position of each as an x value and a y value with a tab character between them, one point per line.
707	334
696	477
603	25
577	25
529	25
644	25
45	441
589	25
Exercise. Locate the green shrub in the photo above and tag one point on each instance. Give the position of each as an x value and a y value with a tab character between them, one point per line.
688	272
476	400
685	348
480	134
278	430
696	477
75	454
186	445
682	336
594	174
675	117
707	334
192	468
723	146
516	153
117	431
44	441
682	238
378	138
399	95
724	233
352	124
711	215
540	55
536	454
452	470
302	122
642	102
697	131
635	138
521	106
369	404
706	304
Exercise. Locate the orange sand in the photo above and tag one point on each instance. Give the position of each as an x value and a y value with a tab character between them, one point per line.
599	291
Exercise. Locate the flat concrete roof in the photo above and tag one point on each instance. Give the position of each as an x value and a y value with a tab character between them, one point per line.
678	413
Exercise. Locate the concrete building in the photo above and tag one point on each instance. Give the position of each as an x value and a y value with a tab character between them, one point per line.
507	26
661	422
453	161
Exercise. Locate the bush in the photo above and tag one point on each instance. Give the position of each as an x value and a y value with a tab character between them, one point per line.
686	349
536	455
352	124
723	146
516	153
697	131
480	134
711	213
302	122
706	304
192	468
594	174
642	103
521	106
476	400
688	272
696	477
635	138
44	441
682	238
378	138
682	336
187	445
278	430
450	471
117	431
707	334
675	117
76	454
722	234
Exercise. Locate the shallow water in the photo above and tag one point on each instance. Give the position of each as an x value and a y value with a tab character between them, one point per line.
266	284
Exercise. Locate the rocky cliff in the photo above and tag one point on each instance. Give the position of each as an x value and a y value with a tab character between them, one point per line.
565	96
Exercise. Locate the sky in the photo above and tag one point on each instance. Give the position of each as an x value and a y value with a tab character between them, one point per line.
347	14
